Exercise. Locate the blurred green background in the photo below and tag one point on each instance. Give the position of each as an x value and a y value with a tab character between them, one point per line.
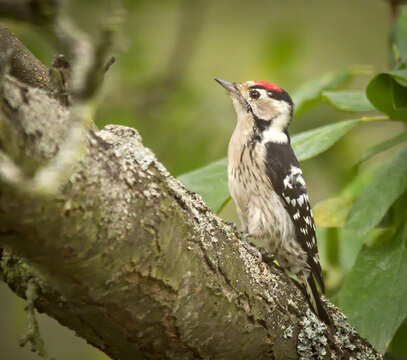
167	54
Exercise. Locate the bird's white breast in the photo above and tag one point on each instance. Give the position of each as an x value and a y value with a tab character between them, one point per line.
260	209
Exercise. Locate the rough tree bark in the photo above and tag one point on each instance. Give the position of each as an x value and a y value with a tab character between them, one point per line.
133	262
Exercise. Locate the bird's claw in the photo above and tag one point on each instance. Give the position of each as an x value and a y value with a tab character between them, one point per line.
233	225
250	248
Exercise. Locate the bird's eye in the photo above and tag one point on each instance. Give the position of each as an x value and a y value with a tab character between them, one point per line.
254	94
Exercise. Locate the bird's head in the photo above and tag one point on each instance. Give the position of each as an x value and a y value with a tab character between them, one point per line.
269	105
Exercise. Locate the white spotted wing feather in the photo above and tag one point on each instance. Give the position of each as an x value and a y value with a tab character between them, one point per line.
286	177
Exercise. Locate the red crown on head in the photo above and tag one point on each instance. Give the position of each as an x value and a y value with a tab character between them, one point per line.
268	86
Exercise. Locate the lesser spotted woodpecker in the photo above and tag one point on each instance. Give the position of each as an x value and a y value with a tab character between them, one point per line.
266	183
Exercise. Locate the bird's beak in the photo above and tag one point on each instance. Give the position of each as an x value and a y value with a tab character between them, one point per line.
229	86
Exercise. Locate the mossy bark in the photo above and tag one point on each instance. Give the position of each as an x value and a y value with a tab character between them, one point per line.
136	264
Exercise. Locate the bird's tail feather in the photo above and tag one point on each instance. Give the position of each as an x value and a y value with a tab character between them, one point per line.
314	298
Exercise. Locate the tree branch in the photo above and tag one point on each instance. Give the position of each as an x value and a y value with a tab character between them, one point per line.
21	62
136	264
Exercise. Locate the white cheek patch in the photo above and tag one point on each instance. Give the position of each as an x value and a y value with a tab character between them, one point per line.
280	118
281	106
263	109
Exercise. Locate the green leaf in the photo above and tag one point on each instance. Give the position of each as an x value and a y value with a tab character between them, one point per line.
388	93
388	184
351	243
313	142
398	344
333	212
399	34
348	100
392	356
359	184
310	92
374	293
210	182
383	146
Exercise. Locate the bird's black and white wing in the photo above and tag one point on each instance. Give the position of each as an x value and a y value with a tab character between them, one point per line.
285	175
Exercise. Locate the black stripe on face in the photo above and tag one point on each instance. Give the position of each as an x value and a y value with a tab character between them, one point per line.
275	94
260	124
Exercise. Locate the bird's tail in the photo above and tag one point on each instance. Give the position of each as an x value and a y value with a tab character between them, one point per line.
314	298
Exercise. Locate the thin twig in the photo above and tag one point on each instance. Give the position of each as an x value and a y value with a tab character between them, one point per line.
109	63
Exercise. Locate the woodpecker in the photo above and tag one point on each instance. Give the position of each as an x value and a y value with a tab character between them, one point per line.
266	183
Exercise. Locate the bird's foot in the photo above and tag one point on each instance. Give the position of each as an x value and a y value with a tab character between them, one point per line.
233	225
268	257
251	248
